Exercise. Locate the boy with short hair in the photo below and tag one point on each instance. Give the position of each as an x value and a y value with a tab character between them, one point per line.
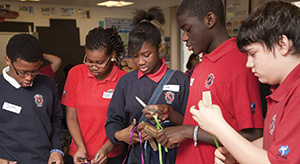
270	36
31	112
223	73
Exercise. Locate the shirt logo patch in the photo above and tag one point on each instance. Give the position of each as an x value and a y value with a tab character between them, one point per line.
108	94
169	97
38	99
252	107
284	150
209	81
272	125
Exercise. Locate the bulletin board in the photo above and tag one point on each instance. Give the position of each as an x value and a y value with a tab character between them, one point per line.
236	12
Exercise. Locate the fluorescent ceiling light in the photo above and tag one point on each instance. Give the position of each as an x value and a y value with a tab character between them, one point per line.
30	0
297	3
115	3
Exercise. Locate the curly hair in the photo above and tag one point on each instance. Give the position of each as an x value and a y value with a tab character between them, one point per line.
106	39
144	30
25	47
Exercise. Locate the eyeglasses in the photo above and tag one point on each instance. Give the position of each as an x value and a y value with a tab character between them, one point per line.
98	65
25	74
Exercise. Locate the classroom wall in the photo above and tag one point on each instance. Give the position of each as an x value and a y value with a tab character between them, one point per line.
84	25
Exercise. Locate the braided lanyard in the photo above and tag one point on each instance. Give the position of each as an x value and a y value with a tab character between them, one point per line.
160	128
131	136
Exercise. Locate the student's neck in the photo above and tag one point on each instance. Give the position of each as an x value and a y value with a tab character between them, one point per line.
220	37
287	66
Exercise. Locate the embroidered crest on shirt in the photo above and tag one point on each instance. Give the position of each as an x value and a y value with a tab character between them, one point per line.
169	97
38	99
284	150
252	107
272	125
209	81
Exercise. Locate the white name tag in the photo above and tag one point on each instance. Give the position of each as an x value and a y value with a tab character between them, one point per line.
107	95
174	88
11	107
192	81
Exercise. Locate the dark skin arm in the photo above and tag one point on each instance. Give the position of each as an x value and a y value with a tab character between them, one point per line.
167	113
172	136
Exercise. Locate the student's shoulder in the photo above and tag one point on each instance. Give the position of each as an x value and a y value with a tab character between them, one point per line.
130	76
180	76
43	79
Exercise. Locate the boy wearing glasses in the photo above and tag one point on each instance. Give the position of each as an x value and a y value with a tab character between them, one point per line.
31	113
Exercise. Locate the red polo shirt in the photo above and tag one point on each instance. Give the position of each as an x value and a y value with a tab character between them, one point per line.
91	98
158	75
233	87
282	132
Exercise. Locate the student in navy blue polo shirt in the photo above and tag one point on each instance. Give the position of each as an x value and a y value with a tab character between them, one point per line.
144	46
31	112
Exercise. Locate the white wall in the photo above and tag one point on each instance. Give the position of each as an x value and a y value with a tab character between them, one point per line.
97	14
84	25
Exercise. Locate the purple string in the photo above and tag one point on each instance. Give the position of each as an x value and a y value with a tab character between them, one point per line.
129	144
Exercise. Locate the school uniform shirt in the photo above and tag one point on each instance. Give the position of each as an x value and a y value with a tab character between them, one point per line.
90	97
29	120
282	132
48	71
124	107
233	87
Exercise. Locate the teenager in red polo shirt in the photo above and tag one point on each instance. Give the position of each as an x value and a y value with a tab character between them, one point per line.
273	48
223	73
88	90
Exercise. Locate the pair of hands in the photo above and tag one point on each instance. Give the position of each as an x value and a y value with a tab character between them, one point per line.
124	134
4	161
170	137
209	119
55	157
79	156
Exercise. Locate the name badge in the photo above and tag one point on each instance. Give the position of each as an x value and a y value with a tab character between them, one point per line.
192	81
107	95
174	88
11	107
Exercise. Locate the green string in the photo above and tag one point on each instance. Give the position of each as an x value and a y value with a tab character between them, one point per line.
216	142
160	128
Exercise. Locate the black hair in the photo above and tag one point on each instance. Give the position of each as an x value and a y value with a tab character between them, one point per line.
144	30
268	23
25	47
200	8
189	63
106	39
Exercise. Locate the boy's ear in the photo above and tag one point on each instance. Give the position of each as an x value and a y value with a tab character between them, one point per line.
159	48
210	19
284	44
7	61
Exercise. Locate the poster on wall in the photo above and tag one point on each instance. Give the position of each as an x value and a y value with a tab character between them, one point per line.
47	11
236	12
25	11
67	12
84	13
124	26
5	6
